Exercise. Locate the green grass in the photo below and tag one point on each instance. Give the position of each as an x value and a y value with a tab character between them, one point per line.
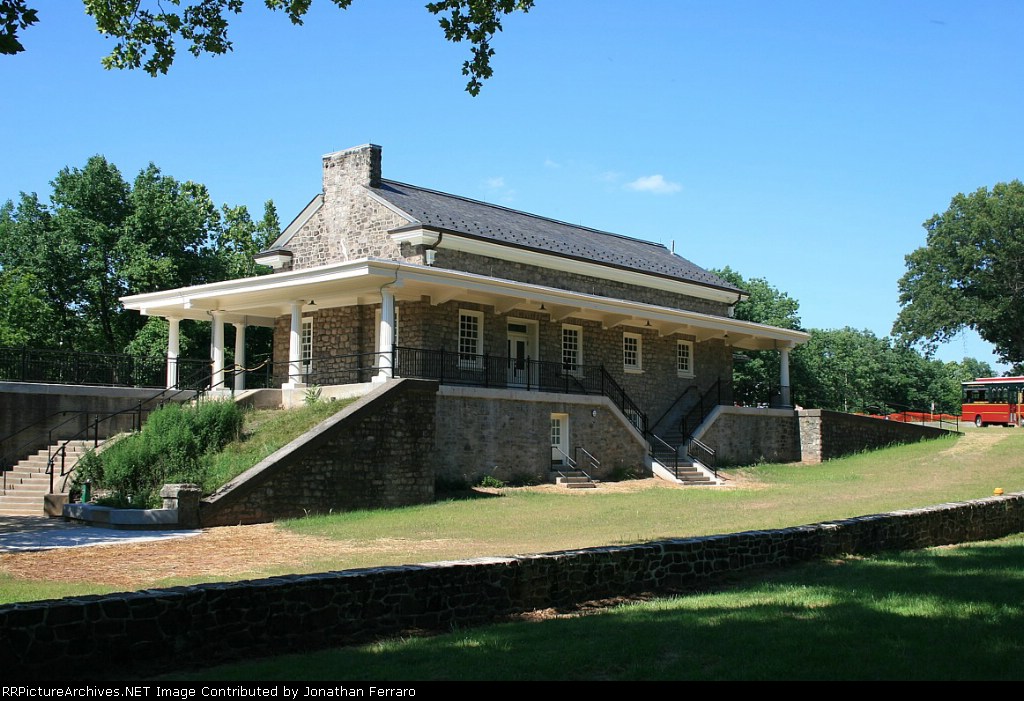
266	431
13	589
519	521
773	496
944	613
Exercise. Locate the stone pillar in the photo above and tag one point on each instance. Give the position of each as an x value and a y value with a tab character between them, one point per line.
217	350
386	336
239	356
784	377
173	348
185	499
295	378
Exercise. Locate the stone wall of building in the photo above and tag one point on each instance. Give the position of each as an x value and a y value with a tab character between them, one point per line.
507	434
368	456
423	325
141	633
351	224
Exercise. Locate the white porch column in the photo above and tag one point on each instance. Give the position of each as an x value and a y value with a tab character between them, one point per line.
386	335
217	382
239	356
173	348
784	376
295	347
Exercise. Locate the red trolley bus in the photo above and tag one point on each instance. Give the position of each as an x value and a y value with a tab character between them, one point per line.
993	400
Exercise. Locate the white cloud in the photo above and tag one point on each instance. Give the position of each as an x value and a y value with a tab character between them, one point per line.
609	176
655	184
548	163
495	183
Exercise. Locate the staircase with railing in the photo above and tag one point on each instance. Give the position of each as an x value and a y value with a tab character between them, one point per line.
673	446
572	472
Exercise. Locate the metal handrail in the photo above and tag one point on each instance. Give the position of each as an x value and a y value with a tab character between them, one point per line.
136	410
594	463
675	453
699	410
691	388
701	452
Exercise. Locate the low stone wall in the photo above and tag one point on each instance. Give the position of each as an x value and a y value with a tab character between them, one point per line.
143	632
831	434
372	454
746	436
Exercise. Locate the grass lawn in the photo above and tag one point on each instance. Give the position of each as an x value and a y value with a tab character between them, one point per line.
766	496
266	431
528	520
942	613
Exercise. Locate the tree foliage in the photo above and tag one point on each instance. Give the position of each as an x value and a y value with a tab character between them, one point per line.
970	274
147	31
842	369
65	265
756	375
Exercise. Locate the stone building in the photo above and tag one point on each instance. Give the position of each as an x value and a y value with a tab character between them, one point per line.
553	343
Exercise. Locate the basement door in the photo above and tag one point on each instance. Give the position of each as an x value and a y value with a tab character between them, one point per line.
559	439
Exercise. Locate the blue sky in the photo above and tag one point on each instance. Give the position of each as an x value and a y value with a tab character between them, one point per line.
802	142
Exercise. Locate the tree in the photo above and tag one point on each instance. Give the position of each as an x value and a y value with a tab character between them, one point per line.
147	30
756	376
970	274
65	266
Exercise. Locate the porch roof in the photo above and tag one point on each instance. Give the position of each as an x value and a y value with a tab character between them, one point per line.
258	301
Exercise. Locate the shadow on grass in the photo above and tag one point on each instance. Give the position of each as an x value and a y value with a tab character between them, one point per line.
935	614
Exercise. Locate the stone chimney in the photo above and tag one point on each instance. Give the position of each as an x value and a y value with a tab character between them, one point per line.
351	168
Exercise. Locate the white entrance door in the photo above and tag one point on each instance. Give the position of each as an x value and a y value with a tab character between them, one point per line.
559	439
521	349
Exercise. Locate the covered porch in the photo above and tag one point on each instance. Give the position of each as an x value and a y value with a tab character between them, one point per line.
371	319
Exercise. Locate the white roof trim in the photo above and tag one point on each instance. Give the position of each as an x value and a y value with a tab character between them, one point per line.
298	222
368	274
553	261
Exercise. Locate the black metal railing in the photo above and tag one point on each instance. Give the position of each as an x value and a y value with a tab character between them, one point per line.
64	367
675	404
703	453
695	417
454	368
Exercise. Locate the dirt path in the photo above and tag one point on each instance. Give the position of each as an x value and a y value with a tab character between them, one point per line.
218	553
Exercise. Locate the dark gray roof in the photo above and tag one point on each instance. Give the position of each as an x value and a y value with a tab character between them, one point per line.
480	220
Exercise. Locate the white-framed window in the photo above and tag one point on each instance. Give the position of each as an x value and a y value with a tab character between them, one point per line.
306	345
471	339
572	348
684	358
632	352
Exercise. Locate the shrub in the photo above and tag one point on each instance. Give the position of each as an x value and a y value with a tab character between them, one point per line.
490	481
173	446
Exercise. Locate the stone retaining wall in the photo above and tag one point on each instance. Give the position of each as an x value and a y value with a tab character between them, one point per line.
831	434
373	454
143	632
746	436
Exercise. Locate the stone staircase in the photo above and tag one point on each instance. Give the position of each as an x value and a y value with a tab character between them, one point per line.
573	479
27	482
688	474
